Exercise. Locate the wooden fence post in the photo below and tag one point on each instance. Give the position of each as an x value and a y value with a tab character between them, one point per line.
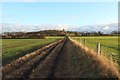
98	48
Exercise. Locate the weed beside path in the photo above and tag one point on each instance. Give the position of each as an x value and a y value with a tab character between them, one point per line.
75	63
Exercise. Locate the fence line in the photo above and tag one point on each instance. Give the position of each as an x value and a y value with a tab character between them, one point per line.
98	47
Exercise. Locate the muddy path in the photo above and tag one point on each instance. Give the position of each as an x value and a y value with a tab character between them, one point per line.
61	59
73	63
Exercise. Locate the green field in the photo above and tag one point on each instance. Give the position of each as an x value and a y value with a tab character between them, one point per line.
14	48
109	45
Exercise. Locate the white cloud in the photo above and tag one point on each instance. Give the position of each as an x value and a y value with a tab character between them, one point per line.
100	27
19	27
61	26
106	28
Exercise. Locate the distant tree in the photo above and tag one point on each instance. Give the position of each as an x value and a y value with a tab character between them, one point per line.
94	33
63	29
100	33
114	33
77	34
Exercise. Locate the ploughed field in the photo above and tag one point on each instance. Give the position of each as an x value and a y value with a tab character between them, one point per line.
63	58
15	48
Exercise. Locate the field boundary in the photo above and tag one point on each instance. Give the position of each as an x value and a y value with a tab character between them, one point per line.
105	64
106	46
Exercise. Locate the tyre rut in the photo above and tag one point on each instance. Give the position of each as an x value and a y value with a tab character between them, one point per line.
45	68
18	64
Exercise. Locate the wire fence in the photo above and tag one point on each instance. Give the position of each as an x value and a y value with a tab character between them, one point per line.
105	47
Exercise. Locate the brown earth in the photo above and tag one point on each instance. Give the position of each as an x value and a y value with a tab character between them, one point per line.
62	59
74	62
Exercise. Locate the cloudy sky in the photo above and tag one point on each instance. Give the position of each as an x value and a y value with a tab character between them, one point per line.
35	16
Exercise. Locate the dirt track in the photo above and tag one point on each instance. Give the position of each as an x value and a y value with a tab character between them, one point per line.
62	59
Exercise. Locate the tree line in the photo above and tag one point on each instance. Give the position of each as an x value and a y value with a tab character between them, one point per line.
43	34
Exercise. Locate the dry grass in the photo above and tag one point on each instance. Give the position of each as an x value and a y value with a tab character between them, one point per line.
105	67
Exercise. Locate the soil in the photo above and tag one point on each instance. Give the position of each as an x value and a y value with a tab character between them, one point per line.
62	59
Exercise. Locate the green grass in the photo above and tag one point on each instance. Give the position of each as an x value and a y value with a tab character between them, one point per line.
14	48
109	45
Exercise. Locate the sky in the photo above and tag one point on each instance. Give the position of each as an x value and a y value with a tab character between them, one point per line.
59	0
59	13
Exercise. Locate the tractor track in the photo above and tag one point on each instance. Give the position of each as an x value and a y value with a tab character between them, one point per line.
47	66
26	65
61	59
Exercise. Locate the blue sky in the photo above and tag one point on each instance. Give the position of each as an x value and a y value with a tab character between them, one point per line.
59	13
59	0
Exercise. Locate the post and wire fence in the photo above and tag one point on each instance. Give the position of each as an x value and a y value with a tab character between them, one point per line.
99	48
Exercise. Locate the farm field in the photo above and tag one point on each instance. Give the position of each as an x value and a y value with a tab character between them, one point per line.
63	58
109	45
71	40
14	48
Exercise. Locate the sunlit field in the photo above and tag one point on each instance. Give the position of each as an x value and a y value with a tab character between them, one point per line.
109	45
14	48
